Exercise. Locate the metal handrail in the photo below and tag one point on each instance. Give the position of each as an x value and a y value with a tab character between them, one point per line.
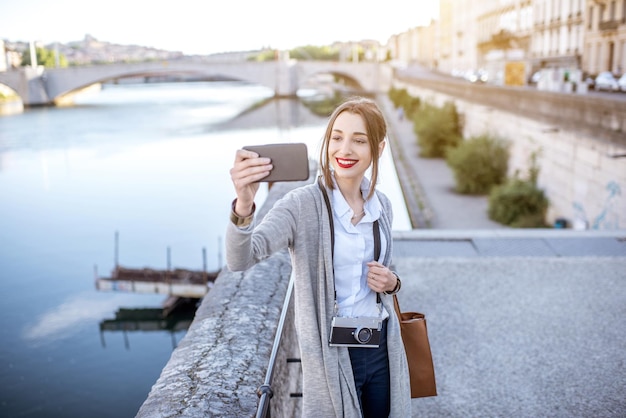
265	391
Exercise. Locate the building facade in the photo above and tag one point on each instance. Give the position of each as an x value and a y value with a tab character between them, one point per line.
416	46
464	24
605	37
3	57
444	34
571	38
504	36
558	35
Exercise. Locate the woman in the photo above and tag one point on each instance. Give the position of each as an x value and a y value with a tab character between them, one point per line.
333	281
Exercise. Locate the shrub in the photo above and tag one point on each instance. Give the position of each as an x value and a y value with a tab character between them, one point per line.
402	98
520	203
437	129
396	96
412	107
479	164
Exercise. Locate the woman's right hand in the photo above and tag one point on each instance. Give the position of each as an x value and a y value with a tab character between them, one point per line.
248	169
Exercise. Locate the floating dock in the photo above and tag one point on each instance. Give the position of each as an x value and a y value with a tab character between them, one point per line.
175	283
181	283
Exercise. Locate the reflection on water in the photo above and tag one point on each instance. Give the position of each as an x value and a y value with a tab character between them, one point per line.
129	320
67	318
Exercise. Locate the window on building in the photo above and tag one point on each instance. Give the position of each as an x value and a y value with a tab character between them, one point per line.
590	21
613	7
570	41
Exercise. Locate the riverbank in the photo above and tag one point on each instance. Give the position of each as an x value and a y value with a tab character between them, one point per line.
11	107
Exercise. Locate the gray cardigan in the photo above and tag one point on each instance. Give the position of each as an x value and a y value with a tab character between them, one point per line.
299	221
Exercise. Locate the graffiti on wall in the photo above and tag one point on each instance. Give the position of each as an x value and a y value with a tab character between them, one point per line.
608	218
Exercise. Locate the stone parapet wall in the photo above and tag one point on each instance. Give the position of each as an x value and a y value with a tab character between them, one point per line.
223	359
583	175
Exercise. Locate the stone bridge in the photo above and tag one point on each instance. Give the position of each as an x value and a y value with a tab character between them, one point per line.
42	86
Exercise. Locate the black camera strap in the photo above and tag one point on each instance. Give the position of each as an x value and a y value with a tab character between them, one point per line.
376	231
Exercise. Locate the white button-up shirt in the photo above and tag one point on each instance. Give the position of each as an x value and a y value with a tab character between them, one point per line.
354	247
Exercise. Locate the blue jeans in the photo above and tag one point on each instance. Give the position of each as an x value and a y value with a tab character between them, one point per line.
370	367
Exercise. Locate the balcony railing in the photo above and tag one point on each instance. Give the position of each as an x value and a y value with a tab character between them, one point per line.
609	25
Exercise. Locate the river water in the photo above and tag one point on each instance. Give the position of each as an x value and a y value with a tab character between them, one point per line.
151	163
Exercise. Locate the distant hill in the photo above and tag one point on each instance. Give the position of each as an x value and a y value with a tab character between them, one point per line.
92	51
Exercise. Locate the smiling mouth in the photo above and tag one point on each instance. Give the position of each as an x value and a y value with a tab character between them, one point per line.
345	163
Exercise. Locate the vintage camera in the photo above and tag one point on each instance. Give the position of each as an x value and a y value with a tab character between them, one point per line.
355	332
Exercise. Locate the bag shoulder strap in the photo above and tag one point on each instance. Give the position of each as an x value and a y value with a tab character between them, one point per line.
376	240
396	306
330	216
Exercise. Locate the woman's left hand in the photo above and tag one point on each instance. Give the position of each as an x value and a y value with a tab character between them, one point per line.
380	278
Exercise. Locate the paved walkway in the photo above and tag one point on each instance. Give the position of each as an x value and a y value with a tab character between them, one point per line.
521	337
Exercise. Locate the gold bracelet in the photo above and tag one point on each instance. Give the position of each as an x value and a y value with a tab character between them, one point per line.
241	222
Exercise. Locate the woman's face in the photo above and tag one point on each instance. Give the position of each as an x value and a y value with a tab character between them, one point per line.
349	149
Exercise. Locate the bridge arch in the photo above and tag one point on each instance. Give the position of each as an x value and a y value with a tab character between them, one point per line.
60	82
10	103
190	75
37	86
335	80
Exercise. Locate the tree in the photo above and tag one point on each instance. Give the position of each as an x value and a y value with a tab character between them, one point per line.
314	53
45	57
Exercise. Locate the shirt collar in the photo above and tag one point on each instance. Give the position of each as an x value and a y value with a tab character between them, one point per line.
343	211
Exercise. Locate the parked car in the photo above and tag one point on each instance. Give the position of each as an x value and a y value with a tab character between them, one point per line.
535	78
606	81
589	80
477	76
622	82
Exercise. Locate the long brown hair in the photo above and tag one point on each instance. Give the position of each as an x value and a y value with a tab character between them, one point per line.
376	131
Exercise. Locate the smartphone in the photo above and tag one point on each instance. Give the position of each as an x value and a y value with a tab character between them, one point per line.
290	161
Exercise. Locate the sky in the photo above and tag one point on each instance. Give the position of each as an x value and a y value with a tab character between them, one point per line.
206	27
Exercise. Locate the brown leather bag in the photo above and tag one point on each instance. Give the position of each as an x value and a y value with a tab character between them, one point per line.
418	355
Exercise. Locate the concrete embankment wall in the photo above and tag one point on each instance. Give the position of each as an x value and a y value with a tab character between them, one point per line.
221	362
580	142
